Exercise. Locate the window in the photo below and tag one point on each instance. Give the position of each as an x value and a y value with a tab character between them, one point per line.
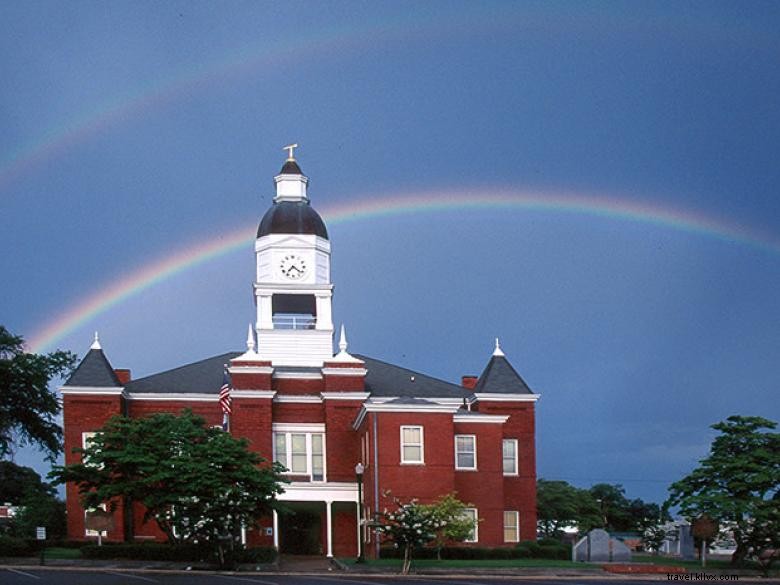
412	445
471	514
86	442
301	453
465	452
511	526
509	456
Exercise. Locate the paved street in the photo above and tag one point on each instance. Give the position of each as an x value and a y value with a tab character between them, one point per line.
29	576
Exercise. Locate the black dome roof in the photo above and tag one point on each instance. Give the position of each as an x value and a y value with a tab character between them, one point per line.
292	217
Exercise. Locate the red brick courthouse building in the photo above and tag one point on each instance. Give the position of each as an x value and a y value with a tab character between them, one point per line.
320	413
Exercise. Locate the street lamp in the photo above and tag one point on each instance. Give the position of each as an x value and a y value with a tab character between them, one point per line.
359	475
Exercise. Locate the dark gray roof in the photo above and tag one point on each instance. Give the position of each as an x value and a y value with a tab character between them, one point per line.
290	167
95	371
203	377
385	379
292	217
500	377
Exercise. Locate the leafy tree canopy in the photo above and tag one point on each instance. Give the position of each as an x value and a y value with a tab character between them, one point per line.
738	483
198	483
27	407
454	525
18	482
560	504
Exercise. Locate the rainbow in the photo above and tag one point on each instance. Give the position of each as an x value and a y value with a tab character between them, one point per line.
402	204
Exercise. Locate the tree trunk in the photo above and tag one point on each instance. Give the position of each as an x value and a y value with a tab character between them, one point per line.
407	559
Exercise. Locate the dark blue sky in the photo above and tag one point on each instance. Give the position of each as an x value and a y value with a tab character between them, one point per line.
133	130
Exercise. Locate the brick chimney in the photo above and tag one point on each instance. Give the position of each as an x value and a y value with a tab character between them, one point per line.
469	381
123	375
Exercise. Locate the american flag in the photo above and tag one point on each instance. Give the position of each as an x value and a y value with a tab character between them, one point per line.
224	393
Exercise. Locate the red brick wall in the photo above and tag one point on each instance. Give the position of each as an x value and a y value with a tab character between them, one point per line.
483	489
342	442
520	490
296	412
425	482
86	413
297	387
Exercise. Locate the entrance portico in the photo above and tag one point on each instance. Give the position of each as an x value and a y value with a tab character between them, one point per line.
333	495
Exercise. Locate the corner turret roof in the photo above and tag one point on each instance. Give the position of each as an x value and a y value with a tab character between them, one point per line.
94	371
499	377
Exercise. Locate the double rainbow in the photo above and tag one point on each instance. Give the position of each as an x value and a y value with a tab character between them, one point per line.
432	201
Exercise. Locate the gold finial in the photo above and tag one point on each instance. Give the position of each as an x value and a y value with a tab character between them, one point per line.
290	151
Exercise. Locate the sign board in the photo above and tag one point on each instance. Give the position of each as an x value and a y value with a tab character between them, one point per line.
704	527
40	532
99	520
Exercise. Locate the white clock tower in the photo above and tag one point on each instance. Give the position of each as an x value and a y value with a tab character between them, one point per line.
293	291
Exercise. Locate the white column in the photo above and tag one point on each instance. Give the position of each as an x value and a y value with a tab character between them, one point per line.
276	530
329	527
264	312
324	314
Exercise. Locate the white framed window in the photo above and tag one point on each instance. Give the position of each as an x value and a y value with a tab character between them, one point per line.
465	452
509	456
471	515
511	526
86	442
412	448
301	452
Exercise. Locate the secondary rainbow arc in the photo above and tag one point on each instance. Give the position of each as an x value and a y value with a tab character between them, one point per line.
371	208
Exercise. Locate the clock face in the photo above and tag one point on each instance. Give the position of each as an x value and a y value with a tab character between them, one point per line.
293	267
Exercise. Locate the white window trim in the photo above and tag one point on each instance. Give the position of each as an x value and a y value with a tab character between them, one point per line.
476	525
309	454
474	439
422	445
516	515
516	472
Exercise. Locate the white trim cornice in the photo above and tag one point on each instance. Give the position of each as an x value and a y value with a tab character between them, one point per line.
252	393
250	369
107	390
298	398
297	376
498	397
183	396
344	371
330	491
345	395
480	418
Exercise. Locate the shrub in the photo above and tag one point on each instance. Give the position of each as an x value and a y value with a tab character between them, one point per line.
257	555
17	547
524	550
147	551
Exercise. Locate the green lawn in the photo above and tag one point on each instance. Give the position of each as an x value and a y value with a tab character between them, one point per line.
480	563
62	553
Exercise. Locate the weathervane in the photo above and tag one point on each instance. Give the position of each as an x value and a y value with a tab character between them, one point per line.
290	148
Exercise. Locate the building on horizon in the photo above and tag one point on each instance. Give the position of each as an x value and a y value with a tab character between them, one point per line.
320	412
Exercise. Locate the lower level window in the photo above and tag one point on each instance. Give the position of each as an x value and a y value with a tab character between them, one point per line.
471	514
511	526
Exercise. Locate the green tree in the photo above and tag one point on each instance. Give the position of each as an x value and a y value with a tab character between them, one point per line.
199	484
454	525
410	526
738	483
613	506
18	482
560	504
27	407
36	502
